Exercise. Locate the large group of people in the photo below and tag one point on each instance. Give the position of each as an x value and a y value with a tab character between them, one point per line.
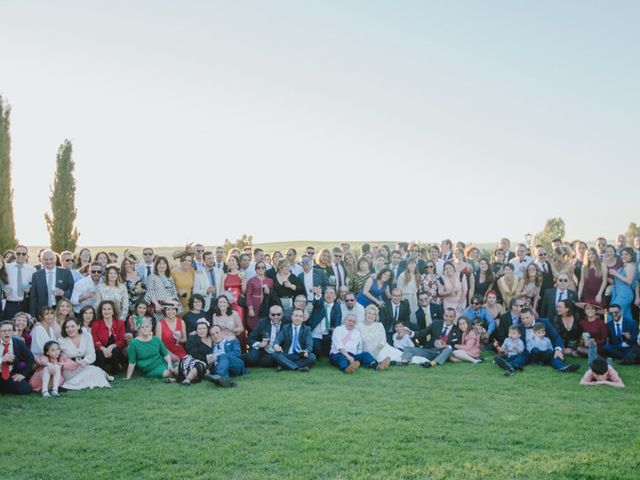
76	321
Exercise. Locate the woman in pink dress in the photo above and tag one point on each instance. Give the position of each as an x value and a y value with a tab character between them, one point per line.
257	288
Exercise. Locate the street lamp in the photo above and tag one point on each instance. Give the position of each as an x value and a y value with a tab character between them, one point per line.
528	237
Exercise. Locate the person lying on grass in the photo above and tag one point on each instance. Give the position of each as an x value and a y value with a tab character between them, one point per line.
601	373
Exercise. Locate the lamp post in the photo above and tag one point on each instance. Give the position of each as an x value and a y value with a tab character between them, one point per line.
528	237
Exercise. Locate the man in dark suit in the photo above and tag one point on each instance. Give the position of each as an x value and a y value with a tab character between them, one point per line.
262	339
325	316
438	339
427	312
227	359
394	311
527	321
339	273
397	266
507	319
14	352
622	336
505	245
552	296
414	253
312	278
544	266
293	349
49	284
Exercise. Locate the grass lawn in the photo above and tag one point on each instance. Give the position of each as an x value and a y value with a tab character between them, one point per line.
459	421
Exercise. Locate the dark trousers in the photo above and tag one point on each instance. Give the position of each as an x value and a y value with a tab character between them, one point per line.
11	308
624	353
322	347
228	365
115	362
259	357
293	361
15	388
340	361
540	357
524	358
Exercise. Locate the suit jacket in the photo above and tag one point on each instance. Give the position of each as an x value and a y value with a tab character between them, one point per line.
262	330
627	326
386	316
548	304
420	263
502	331
201	282
40	292
319	312
434	331
285	338
141	268
551	333
320	279
22	355
437	313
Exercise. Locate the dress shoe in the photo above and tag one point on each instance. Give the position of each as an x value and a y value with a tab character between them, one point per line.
353	367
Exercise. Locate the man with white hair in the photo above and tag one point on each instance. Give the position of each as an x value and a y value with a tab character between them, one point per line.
49	284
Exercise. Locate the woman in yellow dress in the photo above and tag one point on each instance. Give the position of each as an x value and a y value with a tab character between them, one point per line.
183	276
508	285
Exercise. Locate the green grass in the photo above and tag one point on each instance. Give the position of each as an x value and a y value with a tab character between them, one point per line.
456	421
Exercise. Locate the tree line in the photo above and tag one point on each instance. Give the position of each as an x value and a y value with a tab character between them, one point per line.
63	234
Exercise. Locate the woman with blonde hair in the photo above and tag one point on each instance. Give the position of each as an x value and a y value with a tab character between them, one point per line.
63	310
184	276
593	278
409	282
374	338
132	280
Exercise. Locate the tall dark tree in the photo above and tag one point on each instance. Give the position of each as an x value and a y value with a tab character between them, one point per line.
60	224
7	225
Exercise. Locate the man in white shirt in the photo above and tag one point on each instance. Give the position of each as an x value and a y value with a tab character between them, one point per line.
521	261
198	257
292	255
339	273
434	255
19	274
84	291
219	262
351	307
258	256
145	268
66	261
346	349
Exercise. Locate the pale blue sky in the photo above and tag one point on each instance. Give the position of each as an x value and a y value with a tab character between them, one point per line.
334	120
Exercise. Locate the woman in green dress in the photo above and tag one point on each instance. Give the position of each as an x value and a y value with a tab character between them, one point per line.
148	353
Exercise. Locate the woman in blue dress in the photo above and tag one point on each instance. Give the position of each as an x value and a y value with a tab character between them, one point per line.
624	279
376	290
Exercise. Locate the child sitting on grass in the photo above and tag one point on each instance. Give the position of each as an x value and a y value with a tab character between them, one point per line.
510	349
601	373
48	377
402	340
540	348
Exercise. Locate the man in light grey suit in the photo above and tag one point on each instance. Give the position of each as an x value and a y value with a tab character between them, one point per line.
208	280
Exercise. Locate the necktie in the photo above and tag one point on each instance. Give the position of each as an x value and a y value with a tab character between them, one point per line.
50	283
5	365
148	271
327	321
445	332
338	275
296	346
395	313
20	291
544	267
211	279
618	330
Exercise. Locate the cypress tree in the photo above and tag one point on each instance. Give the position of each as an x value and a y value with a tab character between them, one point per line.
62	233
7	225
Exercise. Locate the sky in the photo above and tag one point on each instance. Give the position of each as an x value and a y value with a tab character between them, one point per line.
327	120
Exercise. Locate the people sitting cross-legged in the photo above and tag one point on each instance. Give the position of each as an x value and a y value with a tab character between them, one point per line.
262	339
293	347
346	348
511	347
226	361
442	335
14	353
527	322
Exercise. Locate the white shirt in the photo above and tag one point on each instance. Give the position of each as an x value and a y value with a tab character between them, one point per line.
308	284
357	310
321	328
349	340
79	289
50	278
402	343
8	351
296	269
293	336
561	295
520	266
39	336
12	274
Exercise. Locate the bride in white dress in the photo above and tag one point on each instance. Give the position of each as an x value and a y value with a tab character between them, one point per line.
374	338
77	347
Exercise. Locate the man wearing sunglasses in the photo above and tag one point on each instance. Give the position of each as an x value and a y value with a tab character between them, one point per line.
84	291
554	295
262	339
622	337
541	261
19	274
145	268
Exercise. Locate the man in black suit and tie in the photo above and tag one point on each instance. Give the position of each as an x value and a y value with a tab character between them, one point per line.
339	273
554	295
293	349
49	284
414	253
262	339
442	336
13	352
544	266
394	311
505	245
397	266
325	316
507	319
427	312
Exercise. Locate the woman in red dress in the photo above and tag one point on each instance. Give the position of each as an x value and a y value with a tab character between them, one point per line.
234	284
172	331
257	288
